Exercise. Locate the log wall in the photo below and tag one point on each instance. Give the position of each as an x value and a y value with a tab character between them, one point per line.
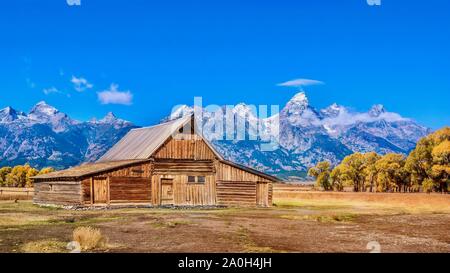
58	193
236	193
237	187
129	190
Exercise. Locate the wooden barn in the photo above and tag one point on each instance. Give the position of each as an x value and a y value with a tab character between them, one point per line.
167	164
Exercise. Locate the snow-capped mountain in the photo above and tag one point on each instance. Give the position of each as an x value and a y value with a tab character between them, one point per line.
9	114
42	113
299	135
47	137
306	135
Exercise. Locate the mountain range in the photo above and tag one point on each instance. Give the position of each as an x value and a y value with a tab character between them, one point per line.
47	137
305	135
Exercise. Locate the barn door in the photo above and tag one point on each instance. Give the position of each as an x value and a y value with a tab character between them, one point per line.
262	194
167	191
100	190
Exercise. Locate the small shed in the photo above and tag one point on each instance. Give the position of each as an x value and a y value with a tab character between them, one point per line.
163	165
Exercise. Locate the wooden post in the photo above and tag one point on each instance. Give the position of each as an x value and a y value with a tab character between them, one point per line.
107	188
92	189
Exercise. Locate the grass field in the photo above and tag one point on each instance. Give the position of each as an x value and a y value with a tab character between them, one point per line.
299	222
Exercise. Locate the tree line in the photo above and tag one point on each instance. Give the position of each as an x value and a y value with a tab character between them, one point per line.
426	168
20	176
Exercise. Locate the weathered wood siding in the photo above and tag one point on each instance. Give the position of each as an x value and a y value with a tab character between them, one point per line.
58	193
236	193
129	190
239	187
191	167
270	194
185	147
86	191
226	172
139	170
182	156
262	194
185	193
132	172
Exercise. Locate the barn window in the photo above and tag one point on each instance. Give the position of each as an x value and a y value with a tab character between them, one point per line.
196	179
201	179
191	179
50	187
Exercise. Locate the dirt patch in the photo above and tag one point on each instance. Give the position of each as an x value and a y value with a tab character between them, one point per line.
286	228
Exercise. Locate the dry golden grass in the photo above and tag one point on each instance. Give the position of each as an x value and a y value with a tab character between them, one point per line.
369	202
89	238
44	246
20	219
327	218
8	197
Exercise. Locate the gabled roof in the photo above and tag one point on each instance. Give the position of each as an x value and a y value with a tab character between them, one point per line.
142	143
88	169
250	170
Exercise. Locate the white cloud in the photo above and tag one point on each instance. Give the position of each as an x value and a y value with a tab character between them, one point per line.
114	96
50	90
81	84
345	118
300	83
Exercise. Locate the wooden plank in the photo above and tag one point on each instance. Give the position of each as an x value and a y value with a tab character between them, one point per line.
130	189
57	193
185	147
236	193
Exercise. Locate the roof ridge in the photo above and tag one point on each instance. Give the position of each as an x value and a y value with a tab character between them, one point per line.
156	125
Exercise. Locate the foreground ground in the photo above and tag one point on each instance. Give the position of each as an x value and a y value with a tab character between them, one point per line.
300	222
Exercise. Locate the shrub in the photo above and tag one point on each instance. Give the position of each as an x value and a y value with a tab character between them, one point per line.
89	238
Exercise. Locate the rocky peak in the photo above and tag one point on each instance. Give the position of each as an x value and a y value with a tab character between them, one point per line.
297	104
9	114
377	110
109	118
43	113
42	108
299	98
112	120
243	110
332	111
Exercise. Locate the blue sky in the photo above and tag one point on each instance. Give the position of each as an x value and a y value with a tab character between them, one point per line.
162	53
